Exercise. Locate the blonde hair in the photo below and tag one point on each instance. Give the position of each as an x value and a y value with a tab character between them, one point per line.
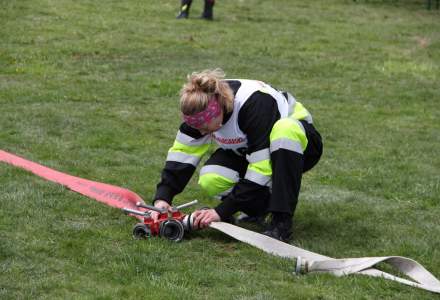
202	86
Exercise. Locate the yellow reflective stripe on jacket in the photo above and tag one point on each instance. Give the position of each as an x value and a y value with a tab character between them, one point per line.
197	151
183	158
190	141
187	154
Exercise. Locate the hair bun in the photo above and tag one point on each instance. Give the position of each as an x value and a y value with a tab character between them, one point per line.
203	83
200	87
206	81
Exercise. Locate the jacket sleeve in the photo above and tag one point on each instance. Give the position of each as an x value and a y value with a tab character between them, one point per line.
256	119
182	159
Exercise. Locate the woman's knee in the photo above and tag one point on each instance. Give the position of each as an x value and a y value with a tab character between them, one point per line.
217	180
288	134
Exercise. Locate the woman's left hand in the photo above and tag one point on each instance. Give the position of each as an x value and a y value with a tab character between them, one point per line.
204	217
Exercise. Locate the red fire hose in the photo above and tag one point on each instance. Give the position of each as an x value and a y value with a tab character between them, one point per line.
109	194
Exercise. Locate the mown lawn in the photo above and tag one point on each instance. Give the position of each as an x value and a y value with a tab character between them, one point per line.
91	88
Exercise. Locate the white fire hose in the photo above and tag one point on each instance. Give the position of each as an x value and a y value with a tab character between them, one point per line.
307	261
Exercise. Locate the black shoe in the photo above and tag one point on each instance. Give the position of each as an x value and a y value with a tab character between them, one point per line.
182	15
207	17
280	228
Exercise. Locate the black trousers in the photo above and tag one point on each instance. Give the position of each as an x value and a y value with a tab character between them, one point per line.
285	174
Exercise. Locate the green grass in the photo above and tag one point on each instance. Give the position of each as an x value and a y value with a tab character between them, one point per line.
91	88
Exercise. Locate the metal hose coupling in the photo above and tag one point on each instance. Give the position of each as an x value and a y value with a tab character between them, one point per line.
188	220
301	266
172	230
188	223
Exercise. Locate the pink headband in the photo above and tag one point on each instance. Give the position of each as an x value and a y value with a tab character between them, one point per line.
212	111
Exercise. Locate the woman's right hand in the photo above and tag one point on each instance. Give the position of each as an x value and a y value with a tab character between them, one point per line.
162	204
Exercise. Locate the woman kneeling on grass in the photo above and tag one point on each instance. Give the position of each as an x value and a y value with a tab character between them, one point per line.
266	141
